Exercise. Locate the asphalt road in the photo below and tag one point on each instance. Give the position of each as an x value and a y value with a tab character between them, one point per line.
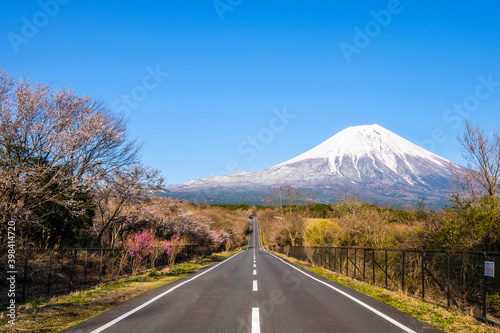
252	291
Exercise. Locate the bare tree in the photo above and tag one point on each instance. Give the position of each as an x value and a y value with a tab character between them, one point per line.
291	206
482	152
119	190
476	221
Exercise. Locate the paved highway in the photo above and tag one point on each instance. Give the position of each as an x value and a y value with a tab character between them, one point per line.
252	291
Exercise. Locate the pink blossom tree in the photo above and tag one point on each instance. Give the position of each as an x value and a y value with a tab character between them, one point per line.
173	247
139	246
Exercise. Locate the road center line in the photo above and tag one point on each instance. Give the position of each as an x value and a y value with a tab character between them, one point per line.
255	320
111	323
254	272
255	285
389	319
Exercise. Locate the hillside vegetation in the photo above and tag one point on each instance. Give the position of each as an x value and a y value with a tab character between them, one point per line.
462	226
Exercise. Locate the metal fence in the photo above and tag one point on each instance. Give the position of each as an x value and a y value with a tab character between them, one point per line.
43	272
446	278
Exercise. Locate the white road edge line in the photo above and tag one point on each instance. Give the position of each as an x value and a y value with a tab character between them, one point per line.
255	320
255	285
125	315
389	319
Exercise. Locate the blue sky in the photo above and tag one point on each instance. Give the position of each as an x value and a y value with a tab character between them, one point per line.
219	86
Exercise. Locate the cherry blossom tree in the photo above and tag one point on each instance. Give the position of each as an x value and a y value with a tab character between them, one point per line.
55	147
116	194
173	247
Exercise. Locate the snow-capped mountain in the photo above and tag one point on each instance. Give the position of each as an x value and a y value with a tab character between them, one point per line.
360	153
369	161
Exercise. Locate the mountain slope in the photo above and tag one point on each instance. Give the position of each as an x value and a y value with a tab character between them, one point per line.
374	163
361	153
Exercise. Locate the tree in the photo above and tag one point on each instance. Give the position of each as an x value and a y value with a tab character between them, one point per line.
119	190
475	203
361	224
482	152
139	247
321	232
173	247
291	207
55	146
64	224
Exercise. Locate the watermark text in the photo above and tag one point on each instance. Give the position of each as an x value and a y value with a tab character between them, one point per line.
31	27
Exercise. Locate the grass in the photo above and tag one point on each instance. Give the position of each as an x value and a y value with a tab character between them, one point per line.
58	313
439	317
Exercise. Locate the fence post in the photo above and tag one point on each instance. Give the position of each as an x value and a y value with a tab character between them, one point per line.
423	277
330	258
131	265
334	259
386	272
403	273
50	271
448	278
100	267
355	263
484	287
373	265
24	272
113	263
347	263
364	264
325	256
341	264
86	264
71	269
320	256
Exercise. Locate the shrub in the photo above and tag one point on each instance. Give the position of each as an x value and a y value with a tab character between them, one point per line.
140	245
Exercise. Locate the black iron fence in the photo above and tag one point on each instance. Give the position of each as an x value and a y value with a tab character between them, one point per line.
467	281
41	272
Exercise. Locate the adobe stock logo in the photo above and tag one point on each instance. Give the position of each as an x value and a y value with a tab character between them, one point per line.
265	136
30	28
222	6
253	144
459	112
139	93
372	29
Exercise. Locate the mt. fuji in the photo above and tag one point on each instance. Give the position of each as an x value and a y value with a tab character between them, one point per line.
368	161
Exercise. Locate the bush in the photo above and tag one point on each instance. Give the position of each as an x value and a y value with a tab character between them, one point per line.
321	232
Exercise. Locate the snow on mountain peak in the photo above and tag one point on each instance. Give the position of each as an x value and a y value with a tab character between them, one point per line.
369	160
372	141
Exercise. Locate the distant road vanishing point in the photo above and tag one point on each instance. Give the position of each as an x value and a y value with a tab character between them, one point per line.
253	291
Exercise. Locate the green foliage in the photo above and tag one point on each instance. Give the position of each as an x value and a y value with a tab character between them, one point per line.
321	210
493	302
474	225
61	220
233	208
